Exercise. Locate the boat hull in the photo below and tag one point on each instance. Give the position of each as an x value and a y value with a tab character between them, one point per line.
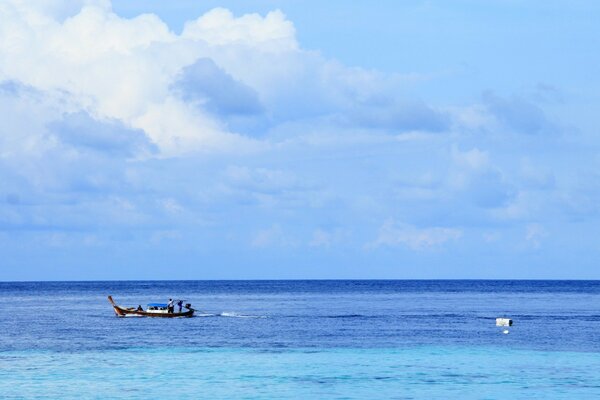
133	312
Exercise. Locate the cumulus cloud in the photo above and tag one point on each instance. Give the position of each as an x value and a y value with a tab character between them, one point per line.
209	86
201	90
220	28
117	69
82	131
121	124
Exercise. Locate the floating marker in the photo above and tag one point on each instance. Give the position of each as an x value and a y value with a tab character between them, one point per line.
506	332
504	322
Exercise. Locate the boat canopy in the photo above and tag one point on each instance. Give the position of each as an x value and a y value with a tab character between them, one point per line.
157	305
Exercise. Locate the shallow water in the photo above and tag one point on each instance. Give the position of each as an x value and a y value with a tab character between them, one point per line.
303	339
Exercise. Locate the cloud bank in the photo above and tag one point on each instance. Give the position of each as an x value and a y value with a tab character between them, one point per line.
230	135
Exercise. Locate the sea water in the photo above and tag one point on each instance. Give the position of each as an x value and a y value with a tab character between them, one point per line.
302	340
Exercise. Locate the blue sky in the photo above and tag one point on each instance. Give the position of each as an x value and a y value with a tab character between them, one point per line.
286	139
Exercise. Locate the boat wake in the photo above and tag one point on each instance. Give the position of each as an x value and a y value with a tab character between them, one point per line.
204	314
231	314
228	314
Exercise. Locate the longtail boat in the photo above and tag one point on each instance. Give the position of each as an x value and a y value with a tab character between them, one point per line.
158	310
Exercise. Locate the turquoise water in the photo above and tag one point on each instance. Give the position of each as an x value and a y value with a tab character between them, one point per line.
423	372
302	340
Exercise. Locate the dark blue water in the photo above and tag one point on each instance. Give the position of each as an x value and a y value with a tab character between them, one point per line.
75	316
302	339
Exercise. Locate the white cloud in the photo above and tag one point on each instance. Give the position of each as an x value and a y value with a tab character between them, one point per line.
219	27
131	71
123	69
121	123
392	234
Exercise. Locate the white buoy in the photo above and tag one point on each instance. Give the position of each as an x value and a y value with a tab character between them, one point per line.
504	322
506	332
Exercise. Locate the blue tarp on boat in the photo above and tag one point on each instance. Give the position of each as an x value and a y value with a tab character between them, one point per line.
157	305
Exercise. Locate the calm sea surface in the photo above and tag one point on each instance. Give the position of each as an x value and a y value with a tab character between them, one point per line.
302	339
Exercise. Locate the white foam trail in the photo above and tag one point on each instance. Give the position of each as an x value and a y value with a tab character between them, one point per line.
232	314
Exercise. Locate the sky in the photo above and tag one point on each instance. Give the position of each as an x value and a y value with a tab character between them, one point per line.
265	139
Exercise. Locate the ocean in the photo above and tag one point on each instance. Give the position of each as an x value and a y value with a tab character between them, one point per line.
302	340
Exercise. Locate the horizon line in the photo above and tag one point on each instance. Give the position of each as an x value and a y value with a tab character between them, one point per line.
304	279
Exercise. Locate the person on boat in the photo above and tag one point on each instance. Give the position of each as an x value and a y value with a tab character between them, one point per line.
180	305
140	308
170	306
